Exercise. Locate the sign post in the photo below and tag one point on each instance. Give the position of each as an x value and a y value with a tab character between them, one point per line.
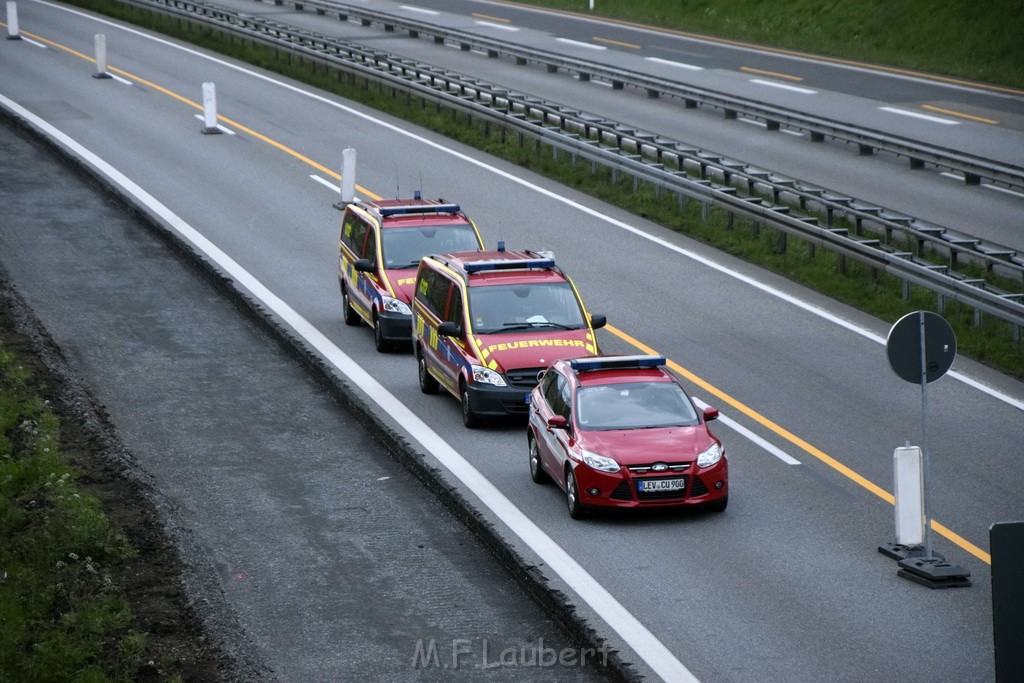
921	348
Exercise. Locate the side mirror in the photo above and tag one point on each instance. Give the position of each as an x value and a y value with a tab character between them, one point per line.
364	265
449	329
557	422
598	321
710	414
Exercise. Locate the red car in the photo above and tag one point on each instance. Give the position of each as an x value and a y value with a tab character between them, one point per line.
622	432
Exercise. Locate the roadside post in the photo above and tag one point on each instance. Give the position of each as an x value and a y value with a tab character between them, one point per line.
1007	542
921	347
101	56
348	178
12	21
210	109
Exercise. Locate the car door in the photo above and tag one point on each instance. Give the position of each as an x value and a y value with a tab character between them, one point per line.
553	443
452	354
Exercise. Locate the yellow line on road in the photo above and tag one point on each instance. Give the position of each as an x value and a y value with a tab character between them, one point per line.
774	74
960	114
800	443
490	18
609	41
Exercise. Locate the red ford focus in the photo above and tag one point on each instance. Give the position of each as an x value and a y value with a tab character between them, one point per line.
621	431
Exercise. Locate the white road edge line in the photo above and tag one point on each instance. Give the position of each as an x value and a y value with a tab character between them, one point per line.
918	115
743	431
421	10
784	86
502	27
578	43
692	255
669	62
326	183
646	645
1004	190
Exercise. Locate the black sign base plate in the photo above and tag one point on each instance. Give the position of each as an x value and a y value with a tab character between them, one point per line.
897	551
934	573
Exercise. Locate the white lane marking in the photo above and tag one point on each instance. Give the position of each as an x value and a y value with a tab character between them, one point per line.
578	43
1004	190
222	129
753	122
784	86
421	10
692	255
919	115
743	431
954	176
635	634
669	62
794	133
33	42
326	183
121	80
503	27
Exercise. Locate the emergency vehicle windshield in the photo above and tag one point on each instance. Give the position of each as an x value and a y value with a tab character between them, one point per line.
634	405
539	307
404	247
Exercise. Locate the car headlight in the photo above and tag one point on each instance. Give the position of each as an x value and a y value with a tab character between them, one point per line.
600	462
487	376
392	305
710	456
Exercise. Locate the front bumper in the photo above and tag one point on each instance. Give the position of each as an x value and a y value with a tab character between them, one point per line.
395	327
488	400
619	489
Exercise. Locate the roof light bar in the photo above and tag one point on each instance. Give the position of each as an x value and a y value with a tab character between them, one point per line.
419	208
615	362
477	266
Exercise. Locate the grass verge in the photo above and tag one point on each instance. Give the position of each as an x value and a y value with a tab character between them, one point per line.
63	618
990	342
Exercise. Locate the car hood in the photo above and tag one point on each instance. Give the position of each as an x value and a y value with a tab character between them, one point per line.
403	282
534	349
647	446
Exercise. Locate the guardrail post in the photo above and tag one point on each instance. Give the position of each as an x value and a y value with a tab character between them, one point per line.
12	21
210	109
100	41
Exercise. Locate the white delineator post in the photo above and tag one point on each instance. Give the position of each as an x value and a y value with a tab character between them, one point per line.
210	109
348	175
908	475
12	21
101	56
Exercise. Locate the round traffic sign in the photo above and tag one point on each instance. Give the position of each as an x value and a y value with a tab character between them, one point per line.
903	347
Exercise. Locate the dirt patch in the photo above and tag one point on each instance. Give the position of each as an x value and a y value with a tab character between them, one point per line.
177	644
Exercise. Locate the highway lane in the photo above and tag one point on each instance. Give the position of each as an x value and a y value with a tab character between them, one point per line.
790	528
984	211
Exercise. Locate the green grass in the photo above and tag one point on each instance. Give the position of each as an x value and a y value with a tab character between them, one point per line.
878	294
982	41
62	618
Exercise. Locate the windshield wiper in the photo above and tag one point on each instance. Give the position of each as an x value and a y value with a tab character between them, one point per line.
530	326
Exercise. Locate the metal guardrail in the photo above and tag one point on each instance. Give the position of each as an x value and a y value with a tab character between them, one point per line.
513	113
973	168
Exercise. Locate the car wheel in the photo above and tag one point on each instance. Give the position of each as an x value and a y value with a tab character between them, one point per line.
351	317
537	472
572	496
719	505
382	345
469	418
428	384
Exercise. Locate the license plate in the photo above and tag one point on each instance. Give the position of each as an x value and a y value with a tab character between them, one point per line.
661	485
527	399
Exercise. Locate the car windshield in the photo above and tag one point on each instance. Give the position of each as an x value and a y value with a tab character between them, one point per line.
404	247
538	307
636	405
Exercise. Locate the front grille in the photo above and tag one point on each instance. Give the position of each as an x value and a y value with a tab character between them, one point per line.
672	467
523	377
622	491
698	488
662	495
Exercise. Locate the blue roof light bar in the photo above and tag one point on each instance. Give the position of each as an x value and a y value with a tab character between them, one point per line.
478	266
419	208
615	363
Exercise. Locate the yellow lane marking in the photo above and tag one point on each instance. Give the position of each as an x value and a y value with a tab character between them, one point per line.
609	41
960	114
800	443
792	438
775	74
782	51
181	98
490	18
